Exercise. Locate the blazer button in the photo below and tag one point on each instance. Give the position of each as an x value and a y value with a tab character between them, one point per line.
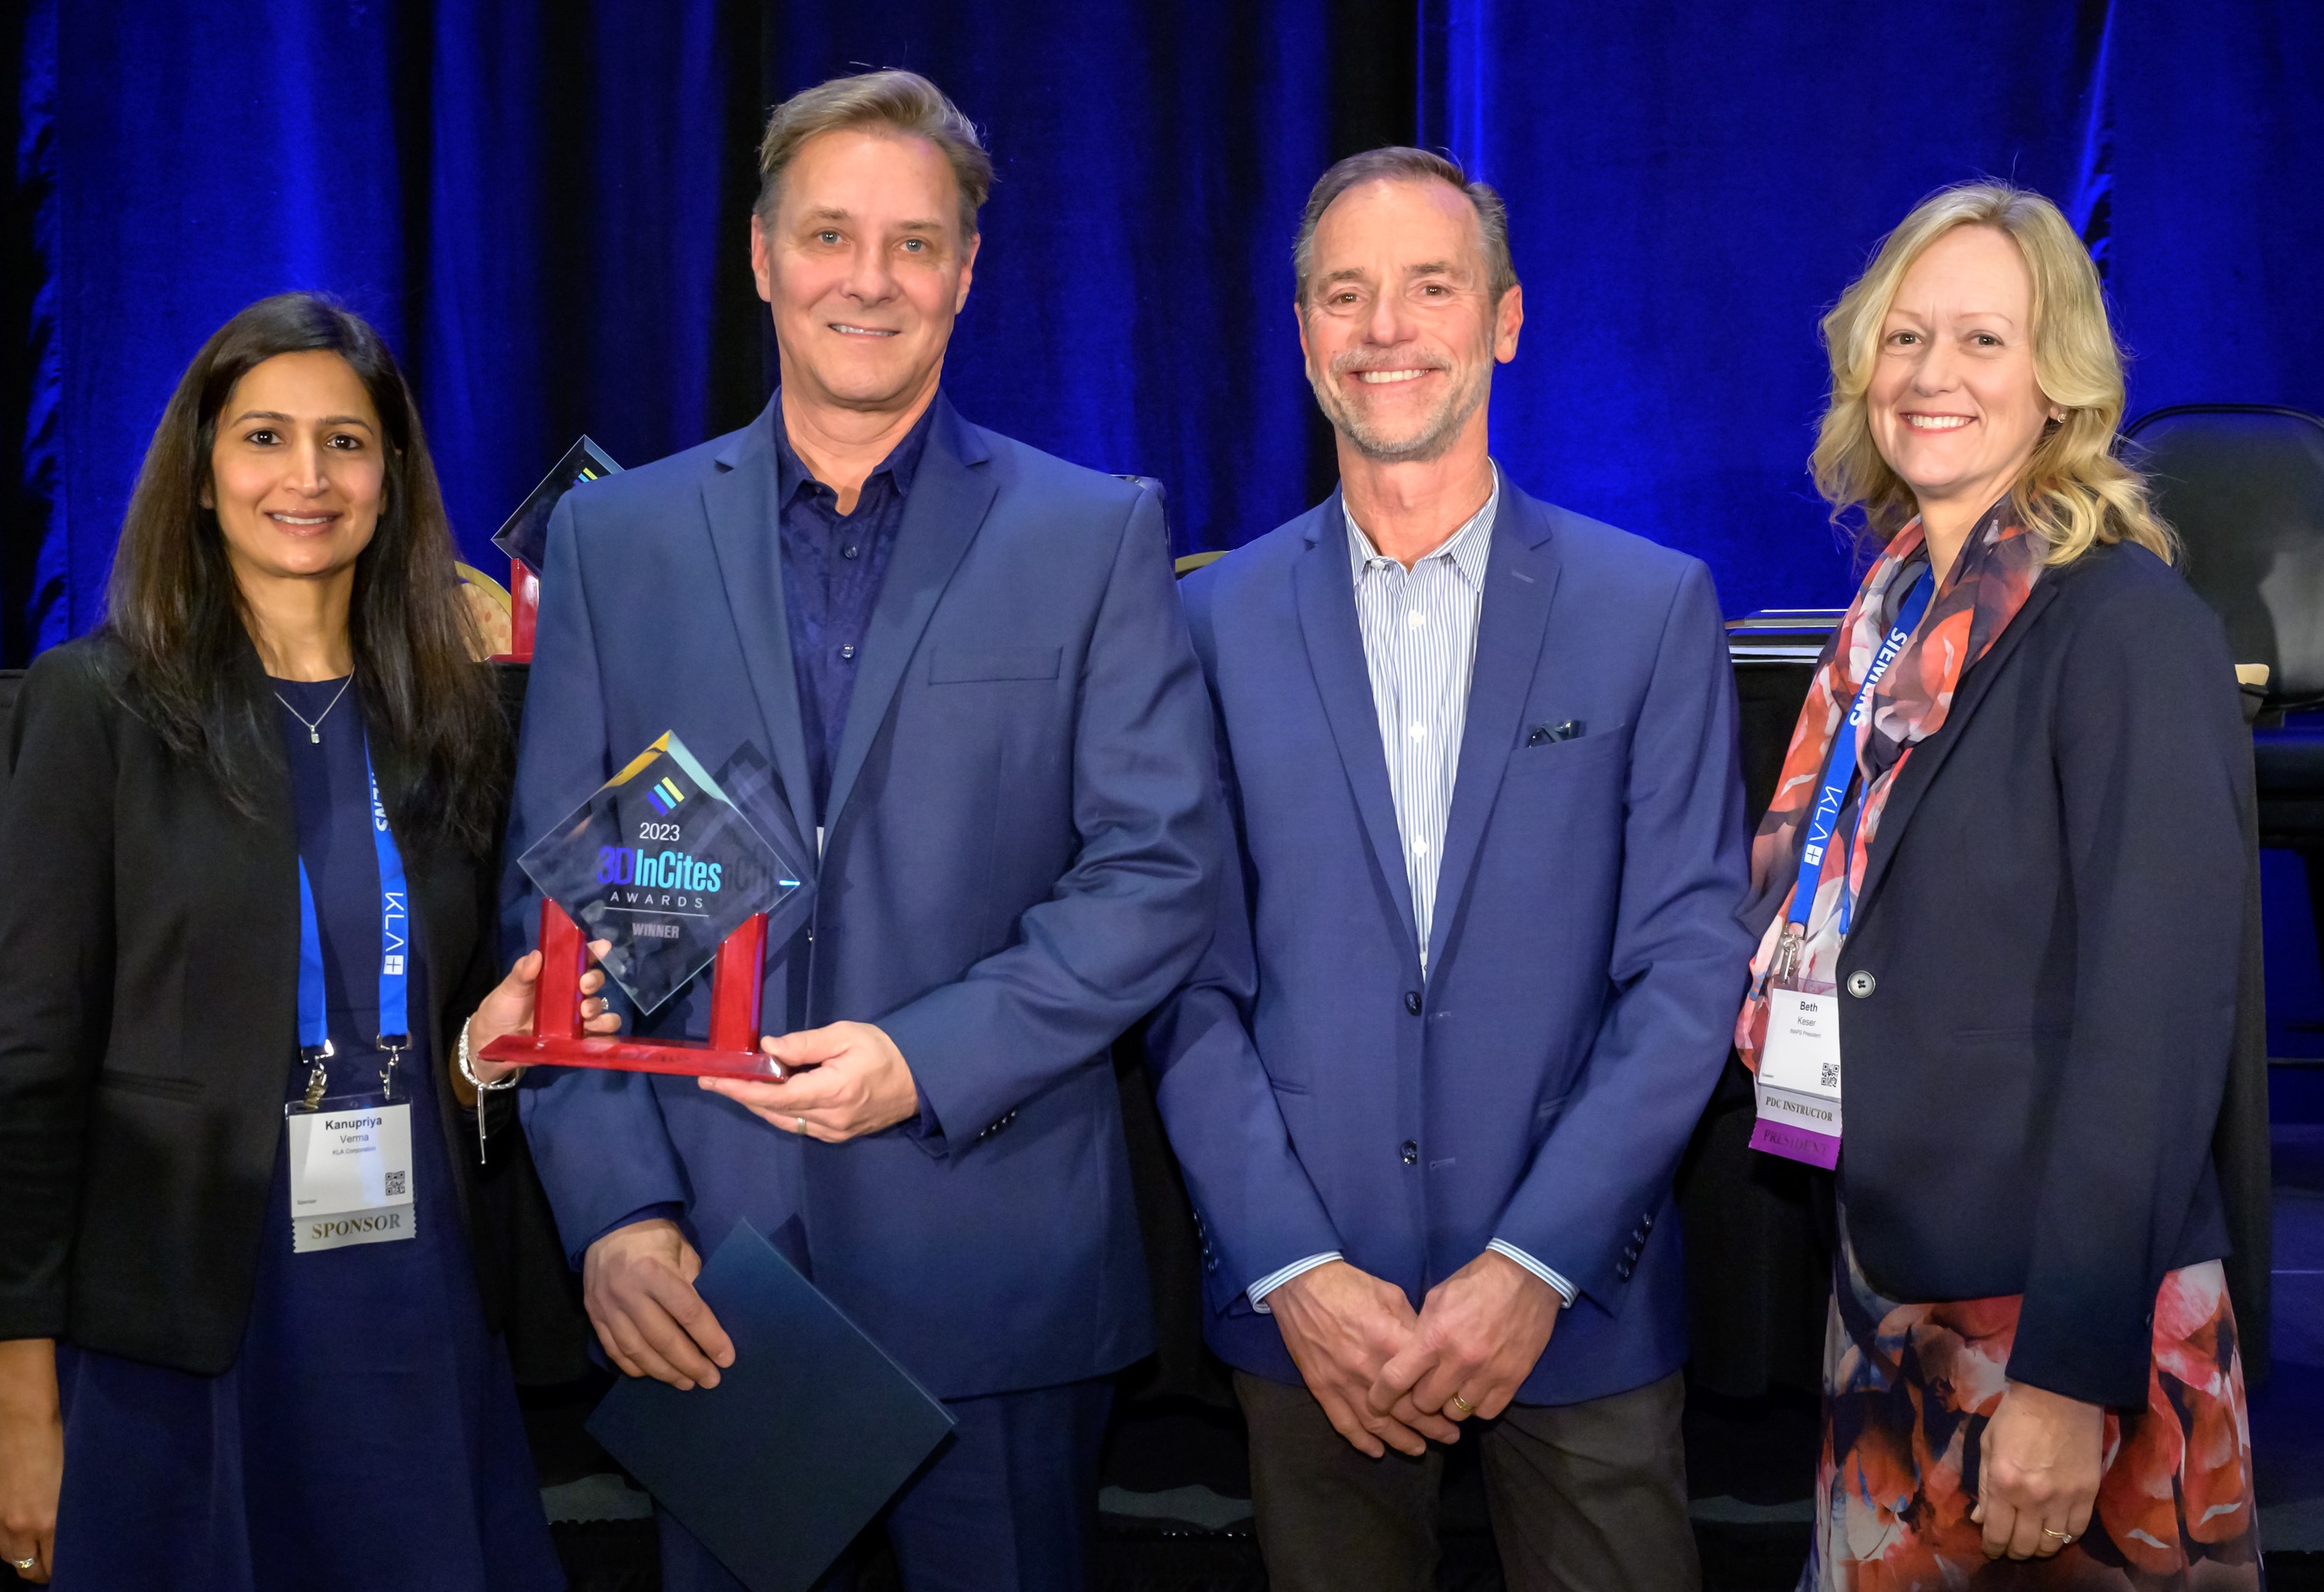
1412	1001
1861	983
1410	1152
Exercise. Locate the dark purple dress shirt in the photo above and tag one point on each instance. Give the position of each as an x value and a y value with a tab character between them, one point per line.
832	565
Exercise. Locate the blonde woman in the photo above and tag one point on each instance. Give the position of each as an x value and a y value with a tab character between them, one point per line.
2013	901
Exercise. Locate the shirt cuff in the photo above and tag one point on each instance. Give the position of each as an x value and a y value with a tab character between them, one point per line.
1258	1292
1566	1290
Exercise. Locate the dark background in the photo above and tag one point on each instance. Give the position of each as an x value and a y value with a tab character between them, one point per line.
544	203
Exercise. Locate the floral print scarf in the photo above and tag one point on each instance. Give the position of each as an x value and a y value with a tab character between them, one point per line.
1991	580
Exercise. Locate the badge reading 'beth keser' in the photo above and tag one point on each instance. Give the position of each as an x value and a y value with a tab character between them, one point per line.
660	862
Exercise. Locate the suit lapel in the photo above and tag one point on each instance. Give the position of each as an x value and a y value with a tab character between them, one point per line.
738	504
1336	652
1520	579
1929	756
950	494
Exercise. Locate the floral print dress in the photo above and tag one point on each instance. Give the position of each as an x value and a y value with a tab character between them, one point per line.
1908	1389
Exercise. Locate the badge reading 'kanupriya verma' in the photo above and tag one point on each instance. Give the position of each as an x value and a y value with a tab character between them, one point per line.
660	862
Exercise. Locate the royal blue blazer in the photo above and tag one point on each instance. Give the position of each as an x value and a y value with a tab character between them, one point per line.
1020	862
1586	961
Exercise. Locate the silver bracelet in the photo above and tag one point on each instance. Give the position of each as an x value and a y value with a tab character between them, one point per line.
469	1073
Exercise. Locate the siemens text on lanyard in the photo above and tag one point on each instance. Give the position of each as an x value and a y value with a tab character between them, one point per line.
395	929
1838	773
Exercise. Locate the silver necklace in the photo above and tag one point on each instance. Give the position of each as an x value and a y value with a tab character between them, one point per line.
315	724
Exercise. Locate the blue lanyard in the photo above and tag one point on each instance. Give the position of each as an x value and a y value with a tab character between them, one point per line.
394	981
1840	765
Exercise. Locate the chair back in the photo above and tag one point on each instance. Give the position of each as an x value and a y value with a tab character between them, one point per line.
2243	486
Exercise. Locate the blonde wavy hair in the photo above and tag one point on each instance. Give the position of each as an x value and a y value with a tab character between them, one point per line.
2075	493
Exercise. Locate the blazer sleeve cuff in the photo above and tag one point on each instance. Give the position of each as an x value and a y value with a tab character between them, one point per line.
2081	1349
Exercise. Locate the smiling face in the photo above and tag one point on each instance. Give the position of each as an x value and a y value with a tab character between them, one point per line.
1398	326
1953	403
298	469
866	268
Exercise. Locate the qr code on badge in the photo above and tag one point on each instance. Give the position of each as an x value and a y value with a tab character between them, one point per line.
395	1182
1831	1080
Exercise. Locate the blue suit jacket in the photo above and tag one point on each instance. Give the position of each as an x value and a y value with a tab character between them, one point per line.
1020	861
1586	961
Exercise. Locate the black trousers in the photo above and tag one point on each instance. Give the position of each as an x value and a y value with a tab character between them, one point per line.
1588	1497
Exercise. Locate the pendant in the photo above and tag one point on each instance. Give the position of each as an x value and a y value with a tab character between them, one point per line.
314	736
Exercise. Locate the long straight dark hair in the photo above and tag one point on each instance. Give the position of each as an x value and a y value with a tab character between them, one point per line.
178	613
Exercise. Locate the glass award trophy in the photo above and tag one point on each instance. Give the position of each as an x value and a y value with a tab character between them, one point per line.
663	862
525	536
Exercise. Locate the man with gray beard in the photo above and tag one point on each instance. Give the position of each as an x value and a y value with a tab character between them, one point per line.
1472	982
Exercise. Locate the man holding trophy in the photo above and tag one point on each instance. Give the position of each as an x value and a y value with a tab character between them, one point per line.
991	756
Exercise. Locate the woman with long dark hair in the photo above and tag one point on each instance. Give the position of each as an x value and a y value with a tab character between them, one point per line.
246	975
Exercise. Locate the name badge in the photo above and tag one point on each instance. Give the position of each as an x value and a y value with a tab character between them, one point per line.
1799	1078
350	1175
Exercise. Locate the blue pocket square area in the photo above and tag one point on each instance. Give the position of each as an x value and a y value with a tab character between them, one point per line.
1545	734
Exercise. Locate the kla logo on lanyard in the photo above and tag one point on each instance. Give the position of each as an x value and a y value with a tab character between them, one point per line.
1799	1065
351	1155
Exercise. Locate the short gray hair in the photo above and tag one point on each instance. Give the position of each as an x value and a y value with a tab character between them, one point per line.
901	102
1401	163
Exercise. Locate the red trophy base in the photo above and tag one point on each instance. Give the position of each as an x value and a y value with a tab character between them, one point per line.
557	1039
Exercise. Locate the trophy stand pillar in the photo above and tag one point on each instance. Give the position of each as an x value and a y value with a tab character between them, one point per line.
524	611
564	958
735	983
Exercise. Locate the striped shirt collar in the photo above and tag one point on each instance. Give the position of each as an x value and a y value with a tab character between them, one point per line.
1468	548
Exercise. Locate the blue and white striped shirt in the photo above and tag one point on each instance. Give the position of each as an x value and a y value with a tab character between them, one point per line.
1420	647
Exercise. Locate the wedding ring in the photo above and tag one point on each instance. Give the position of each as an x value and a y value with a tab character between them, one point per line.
802	1123
2063	1537
1466	1407
25	1563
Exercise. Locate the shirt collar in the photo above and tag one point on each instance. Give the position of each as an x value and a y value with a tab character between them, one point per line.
903	460
1468	548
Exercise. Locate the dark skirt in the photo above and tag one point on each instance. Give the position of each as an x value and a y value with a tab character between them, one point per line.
366	1439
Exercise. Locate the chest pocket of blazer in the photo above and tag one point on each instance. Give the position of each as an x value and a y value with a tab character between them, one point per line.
1549	758
961	665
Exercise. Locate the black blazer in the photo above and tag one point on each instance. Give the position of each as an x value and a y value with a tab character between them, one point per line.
149	949
2040	983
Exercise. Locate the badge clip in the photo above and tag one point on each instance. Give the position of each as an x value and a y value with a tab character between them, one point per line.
319	1073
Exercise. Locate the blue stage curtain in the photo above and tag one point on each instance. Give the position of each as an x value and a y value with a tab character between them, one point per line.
204	155
2216	239
1691	189
545	204
1133	303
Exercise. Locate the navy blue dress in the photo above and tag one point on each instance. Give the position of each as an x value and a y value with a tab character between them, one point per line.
367	1437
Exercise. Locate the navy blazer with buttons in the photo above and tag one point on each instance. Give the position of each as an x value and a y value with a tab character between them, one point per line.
1585	964
1019	860
2042	976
